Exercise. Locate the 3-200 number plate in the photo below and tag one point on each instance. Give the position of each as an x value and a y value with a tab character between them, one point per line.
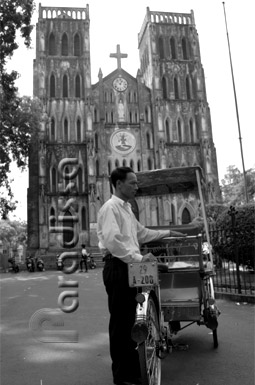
142	274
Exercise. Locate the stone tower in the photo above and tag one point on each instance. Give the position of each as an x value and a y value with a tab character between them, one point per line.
171	68
58	183
158	119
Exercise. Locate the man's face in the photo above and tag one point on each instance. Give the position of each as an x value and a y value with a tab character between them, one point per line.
127	188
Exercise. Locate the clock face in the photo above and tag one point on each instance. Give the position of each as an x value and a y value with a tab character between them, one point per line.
120	84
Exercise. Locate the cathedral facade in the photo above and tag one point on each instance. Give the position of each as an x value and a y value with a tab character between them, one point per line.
158	119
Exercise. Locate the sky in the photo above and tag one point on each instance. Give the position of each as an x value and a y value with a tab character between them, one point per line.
115	22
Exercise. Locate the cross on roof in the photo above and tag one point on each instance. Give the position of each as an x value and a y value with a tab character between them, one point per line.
118	55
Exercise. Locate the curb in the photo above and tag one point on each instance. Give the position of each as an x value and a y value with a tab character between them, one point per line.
235	297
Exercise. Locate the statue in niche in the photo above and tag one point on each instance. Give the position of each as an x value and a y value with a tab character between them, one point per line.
121	111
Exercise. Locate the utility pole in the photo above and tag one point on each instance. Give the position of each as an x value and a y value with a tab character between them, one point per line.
236	105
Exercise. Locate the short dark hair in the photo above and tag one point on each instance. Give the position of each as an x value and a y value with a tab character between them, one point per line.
119	173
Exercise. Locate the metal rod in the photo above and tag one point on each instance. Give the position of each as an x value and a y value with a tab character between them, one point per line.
236	105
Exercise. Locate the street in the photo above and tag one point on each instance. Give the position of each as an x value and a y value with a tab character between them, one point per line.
26	359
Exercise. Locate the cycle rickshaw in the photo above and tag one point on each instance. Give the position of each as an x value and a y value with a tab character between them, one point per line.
178	288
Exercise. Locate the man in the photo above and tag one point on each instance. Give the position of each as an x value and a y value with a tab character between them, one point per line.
84	258
119	235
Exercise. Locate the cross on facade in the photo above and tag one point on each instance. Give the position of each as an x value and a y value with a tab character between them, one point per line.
118	55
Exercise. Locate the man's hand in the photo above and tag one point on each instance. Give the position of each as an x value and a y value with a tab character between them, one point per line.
149	258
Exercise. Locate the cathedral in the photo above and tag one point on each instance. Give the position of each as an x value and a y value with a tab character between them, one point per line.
158	119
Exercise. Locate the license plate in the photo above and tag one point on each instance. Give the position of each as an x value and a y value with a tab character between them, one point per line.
142	274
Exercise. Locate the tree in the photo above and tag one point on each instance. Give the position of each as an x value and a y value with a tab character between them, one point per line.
16	114
13	231
233	186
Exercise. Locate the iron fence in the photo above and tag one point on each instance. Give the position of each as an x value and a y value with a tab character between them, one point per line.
233	250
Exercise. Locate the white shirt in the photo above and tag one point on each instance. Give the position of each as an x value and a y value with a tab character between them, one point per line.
120	233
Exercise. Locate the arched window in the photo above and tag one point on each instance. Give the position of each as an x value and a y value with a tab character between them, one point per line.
148	140
77	45
68	230
116	163
146	115
53	180
78	128
184	49
66	133
65	87
139	165
164	87
77	86
130	117
149	164
52	44
52	87
173	48
186	218
124	163
173	214
161	48
52	130
191	131
176	89
52	217
96	142
188	91
179	128
131	164
83	219
80	180
97	167
64	45
168	138
109	167
111	116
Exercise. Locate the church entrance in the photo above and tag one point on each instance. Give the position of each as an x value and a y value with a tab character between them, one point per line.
68	230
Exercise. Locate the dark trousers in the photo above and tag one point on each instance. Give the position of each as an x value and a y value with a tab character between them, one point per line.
85	262
122	305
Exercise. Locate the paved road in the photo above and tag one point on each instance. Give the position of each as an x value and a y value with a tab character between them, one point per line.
27	361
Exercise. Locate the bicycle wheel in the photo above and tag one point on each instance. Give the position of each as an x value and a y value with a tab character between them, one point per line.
148	350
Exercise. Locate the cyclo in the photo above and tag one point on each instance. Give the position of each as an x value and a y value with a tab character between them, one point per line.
178	287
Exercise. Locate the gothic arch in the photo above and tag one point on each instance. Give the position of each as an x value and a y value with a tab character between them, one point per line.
52	135
186	213
84	218
168	131
52	86
52	44
66	130
64	45
139	165
68	230
176	88
109	167
65	86
52	217
53	180
77	86
78	130
173	48
164	87
180	130
77	44
188	88
185	52
161	47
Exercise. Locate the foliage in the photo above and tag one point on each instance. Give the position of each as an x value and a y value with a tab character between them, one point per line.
18	116
13	232
233	190
241	233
